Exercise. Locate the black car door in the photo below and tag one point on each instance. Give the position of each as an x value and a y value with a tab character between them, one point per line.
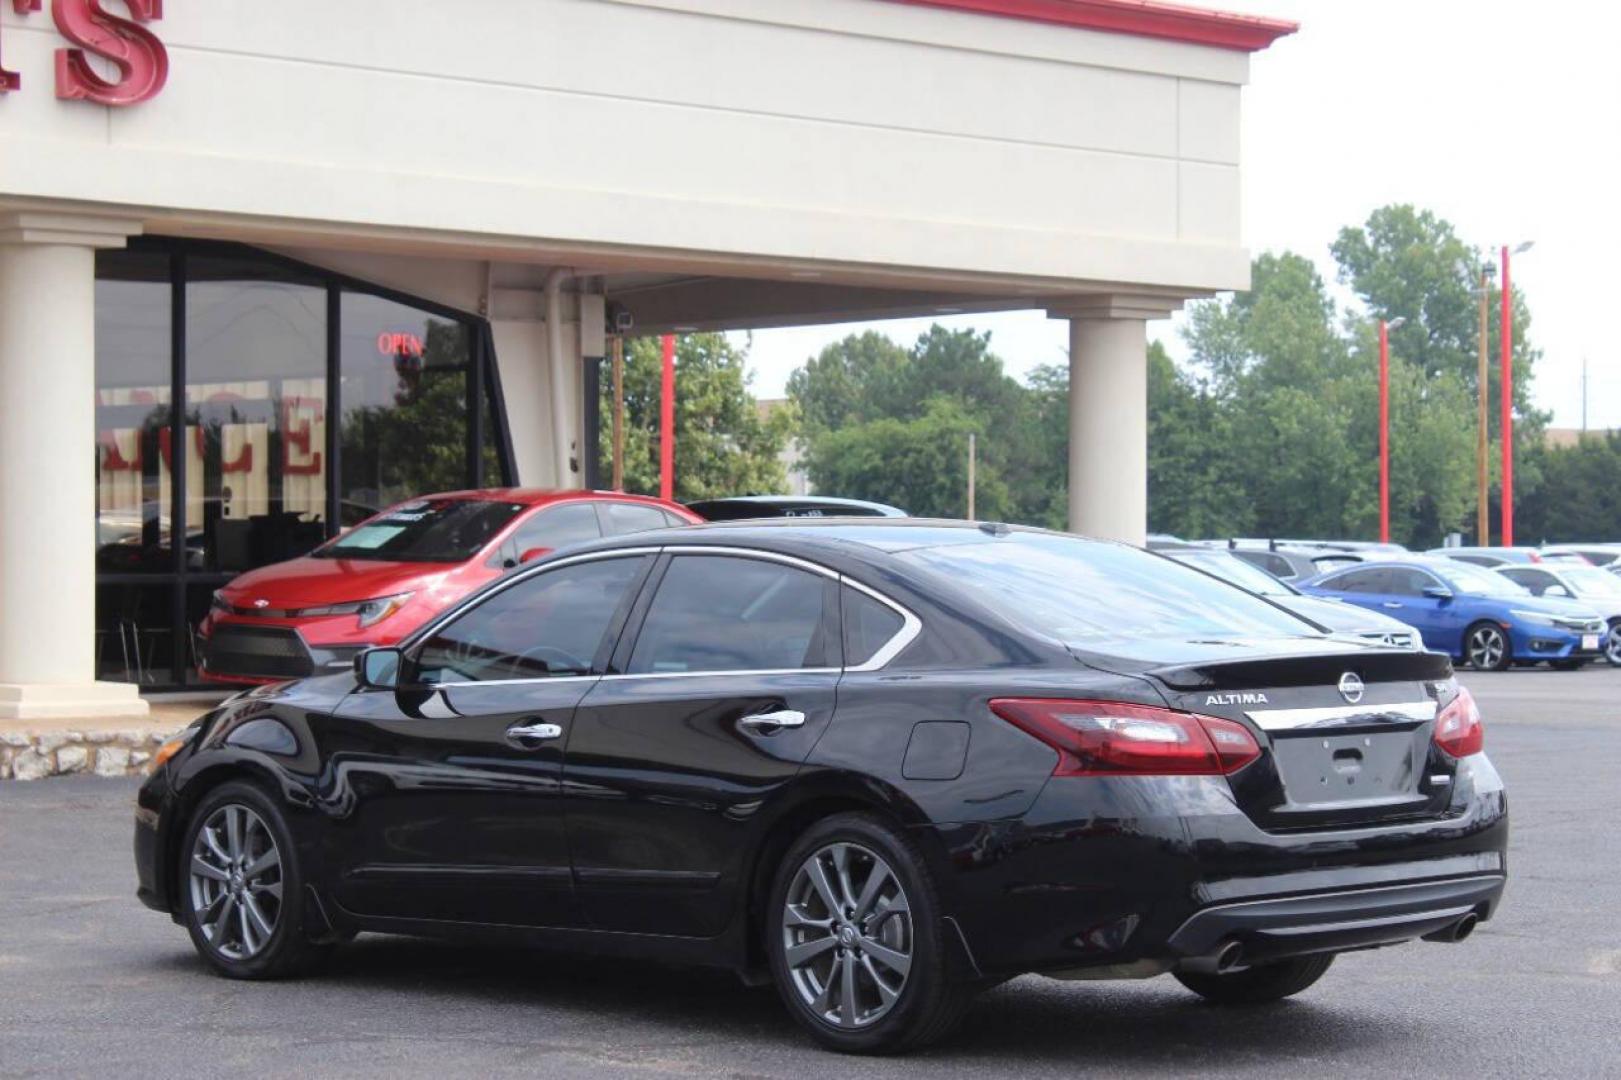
714	705
446	790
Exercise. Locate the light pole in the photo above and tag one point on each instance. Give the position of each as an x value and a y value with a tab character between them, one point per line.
1384	425
1507	432
1483	523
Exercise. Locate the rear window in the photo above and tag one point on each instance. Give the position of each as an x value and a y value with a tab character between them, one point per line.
427	530
1083	592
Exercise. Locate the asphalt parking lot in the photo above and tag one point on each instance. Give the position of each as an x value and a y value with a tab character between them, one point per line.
93	984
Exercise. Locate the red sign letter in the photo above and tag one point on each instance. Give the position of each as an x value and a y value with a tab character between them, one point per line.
10	80
141	59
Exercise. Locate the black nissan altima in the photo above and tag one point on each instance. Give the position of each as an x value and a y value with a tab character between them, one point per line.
881	765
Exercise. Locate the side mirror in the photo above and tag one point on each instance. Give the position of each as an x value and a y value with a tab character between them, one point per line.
531	554
379	669
1438	592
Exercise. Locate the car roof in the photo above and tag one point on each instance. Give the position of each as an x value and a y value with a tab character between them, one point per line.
828	537
542	496
808	501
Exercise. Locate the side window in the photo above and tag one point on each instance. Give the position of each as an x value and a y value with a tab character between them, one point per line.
673	521
1407	582
555	527
1278	566
723	613
547	626
1357	581
868	626
1479	560
620	518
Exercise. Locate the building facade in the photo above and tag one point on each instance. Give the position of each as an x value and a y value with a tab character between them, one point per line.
277	264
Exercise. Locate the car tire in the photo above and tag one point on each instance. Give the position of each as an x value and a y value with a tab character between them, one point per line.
878	1008
1260	984
1481	653
1612	644
238	876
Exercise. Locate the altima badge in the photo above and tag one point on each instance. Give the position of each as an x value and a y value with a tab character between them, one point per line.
1351	687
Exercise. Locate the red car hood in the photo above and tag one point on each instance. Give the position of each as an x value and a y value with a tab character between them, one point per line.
311	582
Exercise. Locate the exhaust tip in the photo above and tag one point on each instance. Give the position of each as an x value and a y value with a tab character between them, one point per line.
1229	956
1456	932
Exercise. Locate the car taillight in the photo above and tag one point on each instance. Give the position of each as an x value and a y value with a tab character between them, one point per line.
1458	730
1099	738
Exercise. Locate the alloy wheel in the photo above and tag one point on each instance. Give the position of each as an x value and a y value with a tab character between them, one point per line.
847	935
236	882
1612	645
1486	647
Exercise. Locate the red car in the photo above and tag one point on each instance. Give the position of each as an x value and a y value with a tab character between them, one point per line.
385	577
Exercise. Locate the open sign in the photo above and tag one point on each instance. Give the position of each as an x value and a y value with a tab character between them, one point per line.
399	344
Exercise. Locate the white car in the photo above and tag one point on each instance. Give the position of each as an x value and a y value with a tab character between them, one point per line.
1597	588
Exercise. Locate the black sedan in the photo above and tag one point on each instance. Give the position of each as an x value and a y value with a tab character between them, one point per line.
882	765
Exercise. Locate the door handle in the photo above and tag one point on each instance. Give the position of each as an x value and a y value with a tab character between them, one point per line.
782	718
1391	604
528	735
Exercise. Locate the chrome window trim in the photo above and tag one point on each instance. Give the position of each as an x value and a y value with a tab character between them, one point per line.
1294	719
514	682
629	676
911	625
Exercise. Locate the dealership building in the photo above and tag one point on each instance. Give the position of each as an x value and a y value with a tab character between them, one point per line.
277	264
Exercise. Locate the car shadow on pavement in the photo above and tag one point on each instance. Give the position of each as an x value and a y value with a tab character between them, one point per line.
1149	1024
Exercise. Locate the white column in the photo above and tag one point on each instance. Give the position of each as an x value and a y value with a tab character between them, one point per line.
1108	414
47	476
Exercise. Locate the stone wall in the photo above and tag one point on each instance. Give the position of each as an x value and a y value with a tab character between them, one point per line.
35	756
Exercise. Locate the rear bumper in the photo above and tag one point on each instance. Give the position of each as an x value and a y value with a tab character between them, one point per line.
1104	872
1335	922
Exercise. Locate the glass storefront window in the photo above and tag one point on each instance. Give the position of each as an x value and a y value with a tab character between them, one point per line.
133	455
250	468
405	394
255	412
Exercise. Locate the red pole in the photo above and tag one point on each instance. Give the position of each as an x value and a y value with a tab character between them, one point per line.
1384	432
667	423
1508	405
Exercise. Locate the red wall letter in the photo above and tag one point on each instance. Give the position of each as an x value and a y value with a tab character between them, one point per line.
10	80
141	59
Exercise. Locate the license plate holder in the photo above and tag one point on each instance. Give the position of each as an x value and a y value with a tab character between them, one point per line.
1590	643
1323	769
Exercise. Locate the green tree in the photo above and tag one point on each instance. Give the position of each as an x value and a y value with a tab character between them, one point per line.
1410	264
1578	498
920	464
1192	489
723	445
836	388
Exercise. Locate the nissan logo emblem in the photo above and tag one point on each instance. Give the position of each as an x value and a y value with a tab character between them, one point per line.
1351	687
266	603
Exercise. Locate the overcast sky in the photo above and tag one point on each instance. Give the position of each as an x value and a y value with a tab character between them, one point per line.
1502	116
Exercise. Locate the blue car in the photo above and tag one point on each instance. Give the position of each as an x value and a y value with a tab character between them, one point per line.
1470	613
